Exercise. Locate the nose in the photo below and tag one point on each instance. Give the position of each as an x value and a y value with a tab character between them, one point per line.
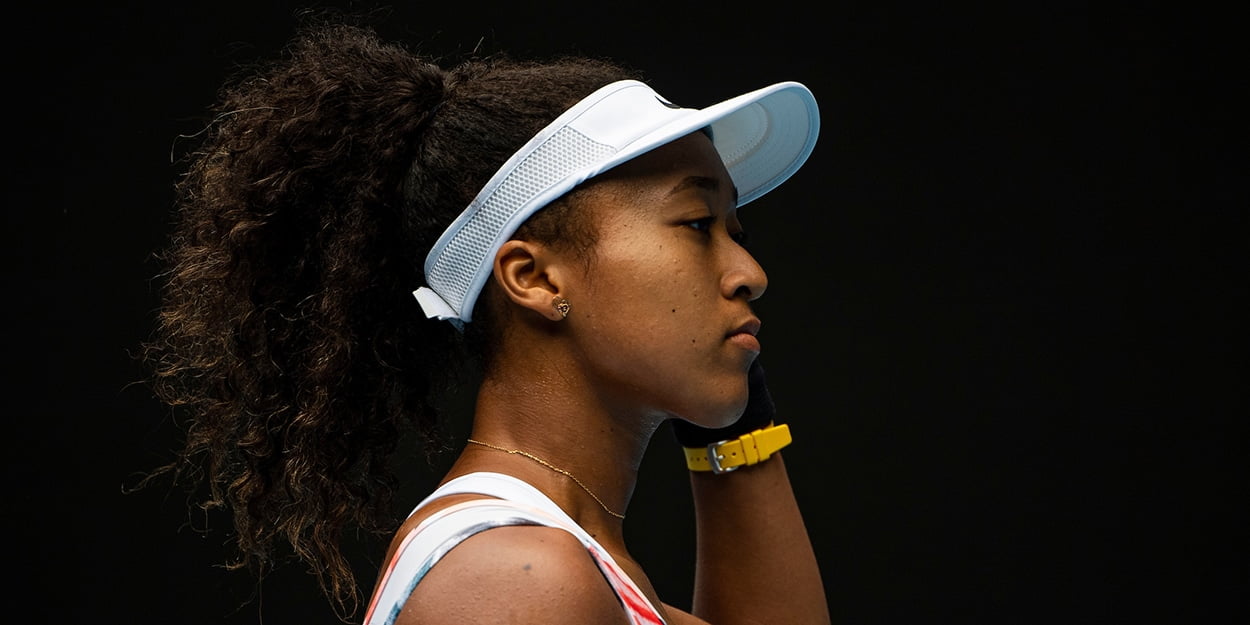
744	277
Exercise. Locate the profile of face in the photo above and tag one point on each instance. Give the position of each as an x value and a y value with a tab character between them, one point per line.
662	318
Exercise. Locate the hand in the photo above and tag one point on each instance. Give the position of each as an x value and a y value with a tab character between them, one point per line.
759	413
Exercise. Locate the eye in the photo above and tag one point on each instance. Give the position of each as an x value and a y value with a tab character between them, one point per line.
741	238
702	225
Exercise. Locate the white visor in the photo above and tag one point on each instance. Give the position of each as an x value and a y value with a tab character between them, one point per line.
763	137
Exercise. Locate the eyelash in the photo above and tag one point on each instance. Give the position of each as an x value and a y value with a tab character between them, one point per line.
703	225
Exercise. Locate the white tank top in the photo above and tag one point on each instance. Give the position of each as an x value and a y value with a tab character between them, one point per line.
518	503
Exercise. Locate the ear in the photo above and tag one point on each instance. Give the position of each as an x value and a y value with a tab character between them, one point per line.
531	275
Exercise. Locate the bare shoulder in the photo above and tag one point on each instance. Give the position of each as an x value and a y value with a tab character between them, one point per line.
514	574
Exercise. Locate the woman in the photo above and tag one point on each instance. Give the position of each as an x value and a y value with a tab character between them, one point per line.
571	244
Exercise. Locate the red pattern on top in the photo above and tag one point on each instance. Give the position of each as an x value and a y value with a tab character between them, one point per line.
638	608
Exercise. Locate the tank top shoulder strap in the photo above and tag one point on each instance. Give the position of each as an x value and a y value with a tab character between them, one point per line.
515	503
500	486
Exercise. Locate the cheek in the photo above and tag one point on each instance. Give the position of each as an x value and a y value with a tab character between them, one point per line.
658	297
650	285
652	328
656	325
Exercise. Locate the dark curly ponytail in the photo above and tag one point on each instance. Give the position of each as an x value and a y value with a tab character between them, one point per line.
288	334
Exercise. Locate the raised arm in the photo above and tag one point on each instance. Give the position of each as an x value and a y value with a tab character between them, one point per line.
755	562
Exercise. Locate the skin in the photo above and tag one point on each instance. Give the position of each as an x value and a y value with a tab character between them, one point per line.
661	327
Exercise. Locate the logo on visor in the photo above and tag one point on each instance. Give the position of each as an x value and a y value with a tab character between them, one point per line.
666	103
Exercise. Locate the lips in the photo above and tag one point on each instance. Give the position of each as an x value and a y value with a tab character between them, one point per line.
750	326
744	335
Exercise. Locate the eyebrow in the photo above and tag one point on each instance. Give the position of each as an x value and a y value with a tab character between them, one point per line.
706	183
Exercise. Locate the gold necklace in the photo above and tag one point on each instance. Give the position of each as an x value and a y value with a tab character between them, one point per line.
553	468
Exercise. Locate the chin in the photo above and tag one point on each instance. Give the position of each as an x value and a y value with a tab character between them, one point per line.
721	417
718	405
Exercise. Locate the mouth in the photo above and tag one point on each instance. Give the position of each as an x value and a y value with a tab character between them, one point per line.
750	326
744	335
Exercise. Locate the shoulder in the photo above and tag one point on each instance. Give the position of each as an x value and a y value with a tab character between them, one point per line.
519	573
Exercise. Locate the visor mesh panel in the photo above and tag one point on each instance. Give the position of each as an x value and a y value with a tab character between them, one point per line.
562	154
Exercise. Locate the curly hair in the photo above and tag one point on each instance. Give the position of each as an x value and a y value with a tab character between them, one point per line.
287	333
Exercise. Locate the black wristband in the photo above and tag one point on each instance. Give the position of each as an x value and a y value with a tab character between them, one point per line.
759	413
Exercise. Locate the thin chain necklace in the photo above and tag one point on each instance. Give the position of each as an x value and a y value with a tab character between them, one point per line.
553	468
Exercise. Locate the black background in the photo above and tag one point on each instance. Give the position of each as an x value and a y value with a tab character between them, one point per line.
1001	318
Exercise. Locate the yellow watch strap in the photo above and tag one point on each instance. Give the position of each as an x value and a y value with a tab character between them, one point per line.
744	451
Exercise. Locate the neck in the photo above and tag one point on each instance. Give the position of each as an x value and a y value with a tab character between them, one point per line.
549	415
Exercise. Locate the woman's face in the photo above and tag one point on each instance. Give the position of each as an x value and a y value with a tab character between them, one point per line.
662	317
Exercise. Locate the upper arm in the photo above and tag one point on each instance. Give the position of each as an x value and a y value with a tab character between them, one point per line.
677	616
514	574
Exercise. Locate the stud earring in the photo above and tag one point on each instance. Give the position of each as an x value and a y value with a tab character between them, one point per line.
562	306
